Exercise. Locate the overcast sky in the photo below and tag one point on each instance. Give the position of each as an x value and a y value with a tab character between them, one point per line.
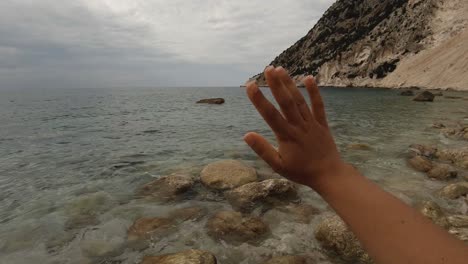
130	43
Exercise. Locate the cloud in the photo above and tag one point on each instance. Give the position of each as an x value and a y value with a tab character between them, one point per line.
95	43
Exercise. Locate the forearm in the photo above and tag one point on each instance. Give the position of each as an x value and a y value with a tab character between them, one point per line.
390	231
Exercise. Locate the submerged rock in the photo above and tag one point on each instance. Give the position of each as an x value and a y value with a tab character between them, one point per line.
167	187
458	157
460	233
211	101
191	256
244	198
287	260
422	150
358	146
188	213
438	125
420	163
434	212
407	93
454	190
300	213
335	236
232	226
144	228
107	240
227	174
442	172
458	220
425	96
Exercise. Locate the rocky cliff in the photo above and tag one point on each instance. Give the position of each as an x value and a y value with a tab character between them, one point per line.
385	43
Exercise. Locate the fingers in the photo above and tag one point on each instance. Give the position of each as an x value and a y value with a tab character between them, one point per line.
264	149
301	103
318	107
282	96
267	110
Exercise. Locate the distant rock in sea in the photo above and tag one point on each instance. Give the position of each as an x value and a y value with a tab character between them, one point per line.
212	101
384	43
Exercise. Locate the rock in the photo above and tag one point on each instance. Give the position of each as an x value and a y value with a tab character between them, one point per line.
438	125
227	174
460	233
145	228
420	163
442	172
454	190
407	93
231	226
438	93
335	236
434	212
359	146
188	213
211	101
107	240
459	157
453	97
287	260
84	210
167	187
425	96
191	256
458	220
244	198
422	150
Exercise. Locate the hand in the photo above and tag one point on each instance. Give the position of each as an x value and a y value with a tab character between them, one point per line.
306	149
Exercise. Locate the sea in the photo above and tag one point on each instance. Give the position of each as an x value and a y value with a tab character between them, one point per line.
72	159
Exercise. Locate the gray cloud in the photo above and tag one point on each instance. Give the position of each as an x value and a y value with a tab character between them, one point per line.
94	43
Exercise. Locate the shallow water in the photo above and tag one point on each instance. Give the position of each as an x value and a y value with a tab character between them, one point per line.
66	153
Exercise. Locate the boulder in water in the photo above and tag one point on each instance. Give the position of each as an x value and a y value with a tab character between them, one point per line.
245	197
442	172
420	163
407	93
188	214
287	260
335	236
358	146
422	150
107	240
458	157
227	174
167	187
145	228
425	96
458	220
454	190
191	256
211	101
232	226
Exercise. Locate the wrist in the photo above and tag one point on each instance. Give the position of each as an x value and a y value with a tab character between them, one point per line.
335	175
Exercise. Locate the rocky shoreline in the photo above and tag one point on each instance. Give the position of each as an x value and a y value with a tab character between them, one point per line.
249	197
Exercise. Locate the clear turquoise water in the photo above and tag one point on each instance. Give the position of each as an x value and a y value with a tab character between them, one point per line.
59	146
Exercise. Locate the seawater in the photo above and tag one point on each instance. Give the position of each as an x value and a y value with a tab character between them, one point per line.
66	153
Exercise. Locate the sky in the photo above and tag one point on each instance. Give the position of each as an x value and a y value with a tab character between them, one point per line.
146	43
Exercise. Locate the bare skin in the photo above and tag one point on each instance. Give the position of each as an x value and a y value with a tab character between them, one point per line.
389	230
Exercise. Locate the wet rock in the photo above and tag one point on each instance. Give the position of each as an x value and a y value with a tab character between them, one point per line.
227	174
107	240
434	212
407	93
458	157
188	213
287	260
167	187
425	96
438	125
335	236
232	226
458	220
273	191
359	146
460	233
422	150
420	163
191	256
300	213
454	190
439	93
459	132
442	172
453	97
145	228
84	210
211	101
